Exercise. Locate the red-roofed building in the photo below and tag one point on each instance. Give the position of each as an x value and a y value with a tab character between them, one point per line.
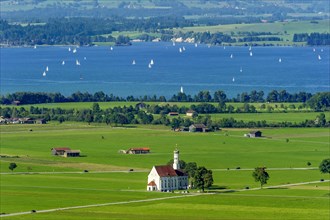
167	178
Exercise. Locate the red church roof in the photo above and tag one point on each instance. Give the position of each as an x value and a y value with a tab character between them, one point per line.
165	170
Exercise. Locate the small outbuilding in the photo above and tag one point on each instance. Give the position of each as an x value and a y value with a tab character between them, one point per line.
65	152
173	113
138	150
191	113
71	153
254	134
197	128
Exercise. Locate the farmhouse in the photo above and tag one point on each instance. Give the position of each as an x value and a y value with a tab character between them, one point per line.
191	113
254	134
138	150
166	178
65	152
197	128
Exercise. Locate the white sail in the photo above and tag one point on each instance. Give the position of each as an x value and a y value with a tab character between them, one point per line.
111	48
74	50
47	69
44	74
181	89
183	48
280	60
241	70
149	66
196	44
69	49
250	48
152	62
35	47
173	43
77	63
63	62
133	62
233	79
251	54
319	57
180	50
231	55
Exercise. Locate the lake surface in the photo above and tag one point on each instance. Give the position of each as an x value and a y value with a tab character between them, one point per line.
195	69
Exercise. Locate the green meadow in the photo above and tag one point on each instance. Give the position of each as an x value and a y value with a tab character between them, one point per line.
42	181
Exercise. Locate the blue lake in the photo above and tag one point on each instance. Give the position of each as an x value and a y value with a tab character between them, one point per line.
195	69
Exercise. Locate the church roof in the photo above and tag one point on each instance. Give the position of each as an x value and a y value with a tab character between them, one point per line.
165	170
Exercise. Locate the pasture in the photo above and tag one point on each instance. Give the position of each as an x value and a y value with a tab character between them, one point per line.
42	181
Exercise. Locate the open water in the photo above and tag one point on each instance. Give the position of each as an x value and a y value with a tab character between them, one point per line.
195	69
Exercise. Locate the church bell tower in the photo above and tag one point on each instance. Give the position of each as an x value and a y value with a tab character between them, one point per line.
176	164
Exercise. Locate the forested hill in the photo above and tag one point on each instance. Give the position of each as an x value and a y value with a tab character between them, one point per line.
42	10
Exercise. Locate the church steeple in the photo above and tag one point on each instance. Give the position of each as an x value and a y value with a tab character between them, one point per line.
176	163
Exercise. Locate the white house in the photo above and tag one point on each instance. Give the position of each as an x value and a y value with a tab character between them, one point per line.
167	178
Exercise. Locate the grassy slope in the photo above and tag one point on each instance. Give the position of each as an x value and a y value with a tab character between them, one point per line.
213	150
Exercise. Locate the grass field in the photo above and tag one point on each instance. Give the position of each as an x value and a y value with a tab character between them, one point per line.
217	151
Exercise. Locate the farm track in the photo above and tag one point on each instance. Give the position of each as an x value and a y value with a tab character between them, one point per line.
171	197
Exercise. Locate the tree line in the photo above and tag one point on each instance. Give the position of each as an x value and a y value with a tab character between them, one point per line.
319	101
137	115
313	39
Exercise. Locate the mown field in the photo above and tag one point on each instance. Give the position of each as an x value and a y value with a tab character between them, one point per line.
217	151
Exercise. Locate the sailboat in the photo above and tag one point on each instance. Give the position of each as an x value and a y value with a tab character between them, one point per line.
173	43
241	70
233	79
133	62
63	62
224	47
77	63
183	48
321	50
280	60
251	54
111	48
196	44
35	47
180	50
313	49
181	90
231	56
47	69
149	65
74	50
85	58
44	74
319	57
69	49
250	48
152	62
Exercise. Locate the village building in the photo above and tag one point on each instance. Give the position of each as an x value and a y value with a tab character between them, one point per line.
191	113
173	113
197	128
254	134
167	178
138	150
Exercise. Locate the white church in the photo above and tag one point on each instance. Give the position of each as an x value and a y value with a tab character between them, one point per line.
166	178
